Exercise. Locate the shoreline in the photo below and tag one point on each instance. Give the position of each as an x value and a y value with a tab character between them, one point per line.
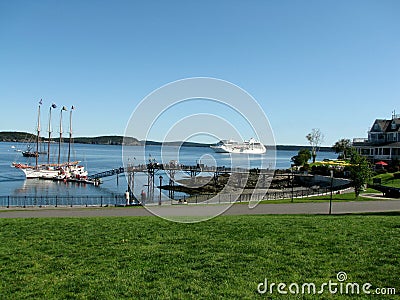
116	140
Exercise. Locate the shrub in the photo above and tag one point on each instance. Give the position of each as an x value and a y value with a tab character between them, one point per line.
394	166
320	170
381	171
305	168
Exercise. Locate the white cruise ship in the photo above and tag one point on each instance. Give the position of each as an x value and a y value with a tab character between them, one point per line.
251	146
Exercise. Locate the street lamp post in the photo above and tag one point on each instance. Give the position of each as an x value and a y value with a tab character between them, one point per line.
330	200
161	178
292	182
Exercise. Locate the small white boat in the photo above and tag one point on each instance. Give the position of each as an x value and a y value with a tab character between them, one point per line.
251	146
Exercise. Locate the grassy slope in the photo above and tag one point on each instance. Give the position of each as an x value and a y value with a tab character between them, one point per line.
105	258
388	180
344	197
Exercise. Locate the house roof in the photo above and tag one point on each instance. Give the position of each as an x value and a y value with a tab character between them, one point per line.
386	125
374	145
391	145
395	121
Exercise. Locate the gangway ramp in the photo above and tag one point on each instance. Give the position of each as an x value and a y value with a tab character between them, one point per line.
108	173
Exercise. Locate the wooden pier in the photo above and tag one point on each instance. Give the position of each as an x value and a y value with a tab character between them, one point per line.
153	168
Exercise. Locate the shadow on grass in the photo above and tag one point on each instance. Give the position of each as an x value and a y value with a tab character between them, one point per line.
387	214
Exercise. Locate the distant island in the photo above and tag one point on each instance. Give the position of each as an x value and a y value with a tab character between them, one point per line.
24	137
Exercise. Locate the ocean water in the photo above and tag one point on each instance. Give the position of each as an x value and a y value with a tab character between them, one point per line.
98	158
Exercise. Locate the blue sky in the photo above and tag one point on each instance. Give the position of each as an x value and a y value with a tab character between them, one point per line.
333	65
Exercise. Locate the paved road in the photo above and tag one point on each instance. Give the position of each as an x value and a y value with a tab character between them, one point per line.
207	210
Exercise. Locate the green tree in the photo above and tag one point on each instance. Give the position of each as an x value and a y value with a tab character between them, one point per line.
360	171
343	148
315	139
302	157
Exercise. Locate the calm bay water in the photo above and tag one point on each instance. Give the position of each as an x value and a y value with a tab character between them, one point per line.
98	158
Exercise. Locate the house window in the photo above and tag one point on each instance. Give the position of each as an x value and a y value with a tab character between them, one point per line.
376	137
364	151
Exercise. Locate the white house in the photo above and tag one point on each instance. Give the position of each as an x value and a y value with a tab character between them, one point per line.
383	141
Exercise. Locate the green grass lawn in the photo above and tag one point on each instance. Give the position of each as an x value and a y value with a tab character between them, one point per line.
147	257
389	180
344	197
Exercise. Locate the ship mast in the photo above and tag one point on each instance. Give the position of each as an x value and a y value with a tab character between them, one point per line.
70	134
59	141
48	142
37	137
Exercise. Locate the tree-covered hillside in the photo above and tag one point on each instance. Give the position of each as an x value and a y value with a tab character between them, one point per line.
24	137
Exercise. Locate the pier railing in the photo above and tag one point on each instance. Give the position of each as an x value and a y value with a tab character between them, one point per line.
119	200
61	201
173	167
271	195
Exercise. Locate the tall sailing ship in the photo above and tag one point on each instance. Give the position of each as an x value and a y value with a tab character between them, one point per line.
66	171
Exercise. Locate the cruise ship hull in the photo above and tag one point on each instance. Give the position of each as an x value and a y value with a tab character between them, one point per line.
250	147
238	150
